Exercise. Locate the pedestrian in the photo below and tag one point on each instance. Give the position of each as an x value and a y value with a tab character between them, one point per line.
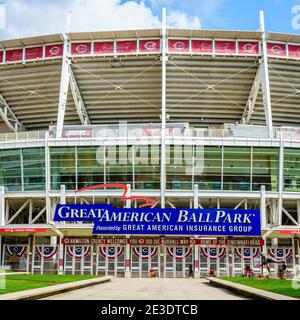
191	270
282	270
265	261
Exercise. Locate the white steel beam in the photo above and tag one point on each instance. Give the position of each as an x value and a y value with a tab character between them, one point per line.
9	117
64	87
280	180
249	108
290	217
163	109
78	100
24	205
265	77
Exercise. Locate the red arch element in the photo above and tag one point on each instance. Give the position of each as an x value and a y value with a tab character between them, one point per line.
149	202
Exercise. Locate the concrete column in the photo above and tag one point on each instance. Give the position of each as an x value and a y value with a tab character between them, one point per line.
196	197
196	262
263	217
127	258
128	202
61	256
31	241
2	207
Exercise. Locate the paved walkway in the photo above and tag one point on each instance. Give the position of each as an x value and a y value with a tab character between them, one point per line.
150	289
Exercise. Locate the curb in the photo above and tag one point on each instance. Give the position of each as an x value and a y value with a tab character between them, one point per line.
249	291
39	293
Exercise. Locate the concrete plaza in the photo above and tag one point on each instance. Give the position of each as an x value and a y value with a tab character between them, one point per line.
150	289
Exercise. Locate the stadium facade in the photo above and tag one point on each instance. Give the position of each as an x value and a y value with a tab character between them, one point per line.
189	118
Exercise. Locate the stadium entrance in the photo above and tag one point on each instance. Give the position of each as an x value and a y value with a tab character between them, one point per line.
144	257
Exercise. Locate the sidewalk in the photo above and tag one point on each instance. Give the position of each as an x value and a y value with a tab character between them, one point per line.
40	293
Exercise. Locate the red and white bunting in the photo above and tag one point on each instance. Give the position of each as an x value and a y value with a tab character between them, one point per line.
111	252
280	254
179	252
213	253
78	251
247	254
47	252
145	252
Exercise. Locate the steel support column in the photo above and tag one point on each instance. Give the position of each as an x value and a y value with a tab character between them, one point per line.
61	245
64	88
49	217
280	182
265	77
163	110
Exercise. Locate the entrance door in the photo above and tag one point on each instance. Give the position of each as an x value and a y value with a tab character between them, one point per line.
246	257
213	258
15	257
111	260
144	259
177	261
281	254
78	259
45	259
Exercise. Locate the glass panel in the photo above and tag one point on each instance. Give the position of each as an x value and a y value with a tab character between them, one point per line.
90	171
179	167
119	165
237	168
10	170
291	171
147	167
34	168
210	177
265	166
62	168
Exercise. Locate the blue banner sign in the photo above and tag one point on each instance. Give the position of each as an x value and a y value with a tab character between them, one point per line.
178	221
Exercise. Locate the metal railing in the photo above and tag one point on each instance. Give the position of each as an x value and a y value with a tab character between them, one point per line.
131	132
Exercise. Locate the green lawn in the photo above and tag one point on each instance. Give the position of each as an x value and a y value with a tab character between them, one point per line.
273	285
20	282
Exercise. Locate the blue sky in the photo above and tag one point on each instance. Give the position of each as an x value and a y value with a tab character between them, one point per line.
235	14
37	17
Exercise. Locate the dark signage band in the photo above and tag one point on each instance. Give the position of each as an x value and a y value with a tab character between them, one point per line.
175	221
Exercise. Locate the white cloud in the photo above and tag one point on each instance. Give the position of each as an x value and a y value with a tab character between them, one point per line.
177	19
36	17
